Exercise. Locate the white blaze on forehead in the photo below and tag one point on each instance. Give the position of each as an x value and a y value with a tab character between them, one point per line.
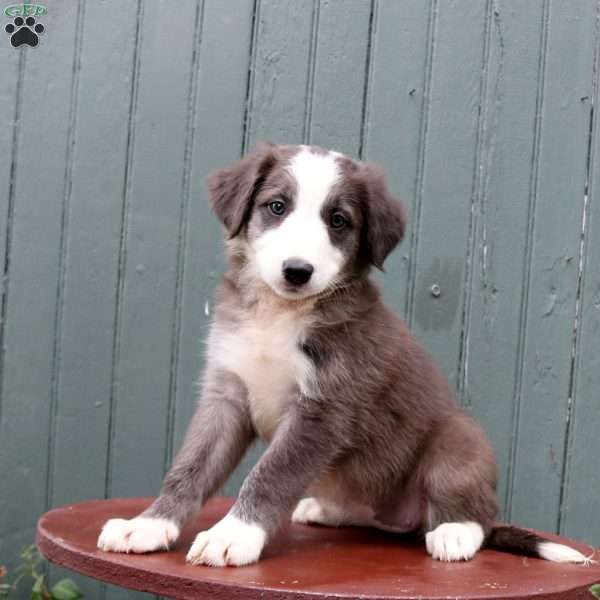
304	233
315	175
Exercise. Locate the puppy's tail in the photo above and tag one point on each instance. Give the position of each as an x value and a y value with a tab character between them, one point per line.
520	541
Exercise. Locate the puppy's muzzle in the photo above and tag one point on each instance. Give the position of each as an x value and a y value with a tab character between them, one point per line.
297	271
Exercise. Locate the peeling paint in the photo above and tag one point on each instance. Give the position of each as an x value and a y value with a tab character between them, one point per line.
491	100
550	303
596	300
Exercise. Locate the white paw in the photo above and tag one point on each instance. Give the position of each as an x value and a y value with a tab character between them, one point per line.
308	510
230	542
454	541
142	534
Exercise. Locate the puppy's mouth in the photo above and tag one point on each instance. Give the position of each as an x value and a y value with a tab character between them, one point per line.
290	288
303	292
291	291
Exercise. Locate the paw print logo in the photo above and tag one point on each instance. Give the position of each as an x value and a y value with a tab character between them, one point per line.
24	31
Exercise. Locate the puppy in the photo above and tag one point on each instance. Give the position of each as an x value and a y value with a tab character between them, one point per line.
361	426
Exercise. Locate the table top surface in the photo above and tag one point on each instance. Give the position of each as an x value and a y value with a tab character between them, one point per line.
303	562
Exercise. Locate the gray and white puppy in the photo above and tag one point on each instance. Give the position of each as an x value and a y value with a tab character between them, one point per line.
361	425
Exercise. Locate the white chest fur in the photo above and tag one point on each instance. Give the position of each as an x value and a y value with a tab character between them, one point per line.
265	353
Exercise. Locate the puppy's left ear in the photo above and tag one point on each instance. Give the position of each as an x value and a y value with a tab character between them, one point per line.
232	189
385	216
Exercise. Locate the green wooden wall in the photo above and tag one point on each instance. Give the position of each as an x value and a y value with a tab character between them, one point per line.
481	111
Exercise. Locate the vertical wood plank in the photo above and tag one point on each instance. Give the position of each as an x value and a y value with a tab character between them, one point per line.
445	192
31	284
581	504
335	102
145	321
500	228
402	33
280	73
223	64
10	88
10	106
551	298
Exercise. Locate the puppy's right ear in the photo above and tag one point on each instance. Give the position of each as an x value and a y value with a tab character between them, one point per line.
232	189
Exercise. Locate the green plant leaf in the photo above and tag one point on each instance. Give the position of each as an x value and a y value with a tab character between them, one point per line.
595	590
37	589
65	589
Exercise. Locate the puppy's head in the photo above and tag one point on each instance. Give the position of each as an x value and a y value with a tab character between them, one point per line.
307	219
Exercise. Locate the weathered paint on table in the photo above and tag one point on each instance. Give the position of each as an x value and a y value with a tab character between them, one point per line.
305	562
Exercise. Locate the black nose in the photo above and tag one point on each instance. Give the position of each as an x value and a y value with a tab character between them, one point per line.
297	271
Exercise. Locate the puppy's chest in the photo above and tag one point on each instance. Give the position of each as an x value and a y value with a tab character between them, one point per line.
265	352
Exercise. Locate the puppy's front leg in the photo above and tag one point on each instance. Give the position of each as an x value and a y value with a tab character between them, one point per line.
303	445
216	439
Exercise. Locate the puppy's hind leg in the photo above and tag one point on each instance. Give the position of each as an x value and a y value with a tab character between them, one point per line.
458	472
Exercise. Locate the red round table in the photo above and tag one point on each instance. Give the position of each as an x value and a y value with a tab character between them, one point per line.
304	562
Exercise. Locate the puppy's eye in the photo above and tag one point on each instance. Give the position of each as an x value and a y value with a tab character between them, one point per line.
277	207
338	220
